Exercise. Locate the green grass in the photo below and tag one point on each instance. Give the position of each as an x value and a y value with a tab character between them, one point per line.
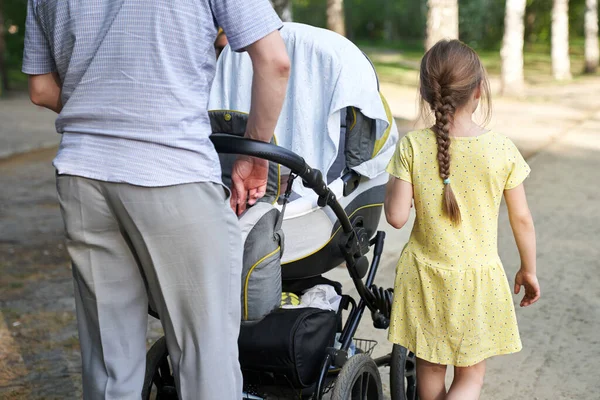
16	79
399	62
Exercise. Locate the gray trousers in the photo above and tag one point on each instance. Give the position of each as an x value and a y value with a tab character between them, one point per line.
179	244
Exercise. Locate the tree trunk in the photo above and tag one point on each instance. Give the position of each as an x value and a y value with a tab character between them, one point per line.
561	64
591	36
513	81
3	72
283	9
388	21
442	21
335	16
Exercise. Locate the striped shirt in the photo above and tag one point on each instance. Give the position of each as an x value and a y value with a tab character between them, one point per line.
136	77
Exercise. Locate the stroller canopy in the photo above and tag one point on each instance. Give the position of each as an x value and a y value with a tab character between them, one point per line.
333	116
329	75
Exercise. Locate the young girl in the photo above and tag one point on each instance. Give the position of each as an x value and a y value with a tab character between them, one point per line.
452	302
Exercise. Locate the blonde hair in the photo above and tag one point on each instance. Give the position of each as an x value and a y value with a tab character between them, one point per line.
450	72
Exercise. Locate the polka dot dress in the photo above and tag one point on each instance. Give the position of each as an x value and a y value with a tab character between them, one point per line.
452	301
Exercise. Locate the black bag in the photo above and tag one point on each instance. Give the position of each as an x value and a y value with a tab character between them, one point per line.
289	342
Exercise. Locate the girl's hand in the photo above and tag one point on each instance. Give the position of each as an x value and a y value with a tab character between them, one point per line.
532	287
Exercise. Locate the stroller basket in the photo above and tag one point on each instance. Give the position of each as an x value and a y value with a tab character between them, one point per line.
365	345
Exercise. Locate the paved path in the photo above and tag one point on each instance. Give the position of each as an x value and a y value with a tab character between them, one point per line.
24	127
561	355
559	133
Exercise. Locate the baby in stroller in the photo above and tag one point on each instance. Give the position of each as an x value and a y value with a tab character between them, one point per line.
323	203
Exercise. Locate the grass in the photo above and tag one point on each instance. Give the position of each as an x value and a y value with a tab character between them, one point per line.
16	79
399	63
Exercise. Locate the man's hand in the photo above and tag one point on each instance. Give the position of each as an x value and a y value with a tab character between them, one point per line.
249	182
271	66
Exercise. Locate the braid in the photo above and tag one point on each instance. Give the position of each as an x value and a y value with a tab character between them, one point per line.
444	108
451	75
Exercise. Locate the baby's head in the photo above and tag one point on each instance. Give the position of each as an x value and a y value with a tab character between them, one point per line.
453	79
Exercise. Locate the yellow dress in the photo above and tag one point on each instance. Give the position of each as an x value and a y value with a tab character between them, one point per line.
452	301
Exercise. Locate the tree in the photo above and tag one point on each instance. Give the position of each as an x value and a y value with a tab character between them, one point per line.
335	16
591	36
3	74
283	9
442	21
513	81
561	64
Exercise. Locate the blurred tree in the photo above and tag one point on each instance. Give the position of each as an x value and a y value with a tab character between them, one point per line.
311	12
513	81
591	36
283	9
561	64
538	20
3	72
442	21
335	16
481	23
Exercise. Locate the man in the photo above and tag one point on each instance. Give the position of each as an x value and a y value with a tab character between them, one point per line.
139	181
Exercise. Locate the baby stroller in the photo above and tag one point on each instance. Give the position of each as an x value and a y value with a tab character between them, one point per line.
294	350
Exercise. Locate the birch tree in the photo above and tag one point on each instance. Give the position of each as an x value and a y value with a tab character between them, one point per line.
561	64
591	36
335	16
283	9
513	80
442	21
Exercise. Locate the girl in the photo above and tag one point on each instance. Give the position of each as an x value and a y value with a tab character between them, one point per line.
452	302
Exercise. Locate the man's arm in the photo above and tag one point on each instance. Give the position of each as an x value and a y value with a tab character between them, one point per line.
39	65
45	90
271	66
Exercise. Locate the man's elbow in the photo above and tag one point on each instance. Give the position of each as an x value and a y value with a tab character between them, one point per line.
396	220
37	94
282	65
36	97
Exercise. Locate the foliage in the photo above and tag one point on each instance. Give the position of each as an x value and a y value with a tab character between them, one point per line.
14	12
375	20
481	21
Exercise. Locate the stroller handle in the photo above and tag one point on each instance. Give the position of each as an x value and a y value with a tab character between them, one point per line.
313	178
233	144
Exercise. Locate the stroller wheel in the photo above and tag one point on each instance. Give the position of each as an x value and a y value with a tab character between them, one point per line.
159	382
359	379
403	376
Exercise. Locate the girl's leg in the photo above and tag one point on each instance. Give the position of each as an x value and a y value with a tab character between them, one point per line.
431	380
467	382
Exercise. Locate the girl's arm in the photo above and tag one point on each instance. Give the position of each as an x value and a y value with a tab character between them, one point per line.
524	232
398	201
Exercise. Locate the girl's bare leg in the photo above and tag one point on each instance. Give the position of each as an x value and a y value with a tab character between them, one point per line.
467	382
431	380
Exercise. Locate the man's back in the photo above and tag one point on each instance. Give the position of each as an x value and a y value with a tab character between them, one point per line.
135	82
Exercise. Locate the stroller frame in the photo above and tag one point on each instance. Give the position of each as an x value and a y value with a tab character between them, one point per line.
354	245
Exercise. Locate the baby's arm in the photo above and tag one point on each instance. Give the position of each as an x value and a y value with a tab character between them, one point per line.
524	232
398	201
